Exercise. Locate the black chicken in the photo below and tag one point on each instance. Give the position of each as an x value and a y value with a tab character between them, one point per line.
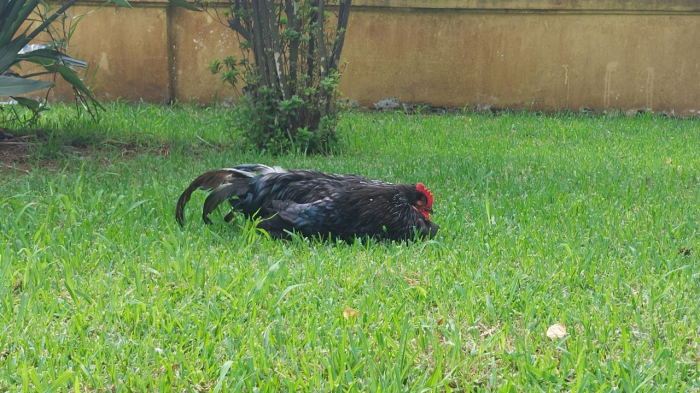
314	203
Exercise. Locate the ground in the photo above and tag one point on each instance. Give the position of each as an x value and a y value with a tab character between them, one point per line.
586	221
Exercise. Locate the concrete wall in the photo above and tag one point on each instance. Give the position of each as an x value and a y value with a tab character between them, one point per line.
534	54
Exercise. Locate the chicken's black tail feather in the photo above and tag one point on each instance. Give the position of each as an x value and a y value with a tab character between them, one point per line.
223	183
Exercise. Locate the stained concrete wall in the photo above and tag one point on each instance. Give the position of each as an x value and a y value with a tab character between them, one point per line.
534	54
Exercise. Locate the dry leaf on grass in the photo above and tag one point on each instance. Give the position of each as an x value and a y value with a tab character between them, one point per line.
558	330
349	313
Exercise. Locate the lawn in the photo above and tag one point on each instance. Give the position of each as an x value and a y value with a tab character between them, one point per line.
589	221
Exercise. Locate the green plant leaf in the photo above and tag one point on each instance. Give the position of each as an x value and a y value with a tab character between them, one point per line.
32	104
71	77
13	86
9	53
48	21
222	375
60	381
14	15
184	4
45	57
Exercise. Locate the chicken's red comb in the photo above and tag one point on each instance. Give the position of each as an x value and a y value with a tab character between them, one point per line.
421	188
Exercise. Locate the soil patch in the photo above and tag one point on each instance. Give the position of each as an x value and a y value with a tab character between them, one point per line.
19	154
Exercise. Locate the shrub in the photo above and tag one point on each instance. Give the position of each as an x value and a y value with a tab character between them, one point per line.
290	70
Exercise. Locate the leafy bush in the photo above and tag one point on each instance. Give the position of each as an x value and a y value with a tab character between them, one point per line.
290	70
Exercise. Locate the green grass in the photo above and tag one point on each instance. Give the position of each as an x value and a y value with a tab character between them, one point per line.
544	219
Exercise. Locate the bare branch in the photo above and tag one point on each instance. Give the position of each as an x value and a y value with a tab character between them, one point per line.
39	74
294	22
235	24
320	37
311	52
267	17
258	46
277	51
343	17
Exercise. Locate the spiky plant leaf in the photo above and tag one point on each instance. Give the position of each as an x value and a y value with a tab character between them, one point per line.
13	86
